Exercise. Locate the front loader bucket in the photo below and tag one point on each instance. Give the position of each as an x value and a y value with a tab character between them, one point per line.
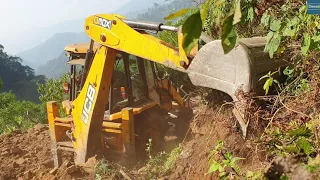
240	68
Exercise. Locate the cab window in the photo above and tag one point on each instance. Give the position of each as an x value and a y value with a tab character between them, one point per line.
137	77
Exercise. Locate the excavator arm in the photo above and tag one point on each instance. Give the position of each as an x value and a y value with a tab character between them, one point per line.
129	36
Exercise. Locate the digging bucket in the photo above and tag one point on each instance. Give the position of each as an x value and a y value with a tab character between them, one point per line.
241	68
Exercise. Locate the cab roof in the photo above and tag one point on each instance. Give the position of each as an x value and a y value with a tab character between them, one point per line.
80	48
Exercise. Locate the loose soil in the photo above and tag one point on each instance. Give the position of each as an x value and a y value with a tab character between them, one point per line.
27	155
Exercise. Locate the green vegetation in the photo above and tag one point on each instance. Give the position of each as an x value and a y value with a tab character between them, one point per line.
227	161
20	79
103	170
160	164
291	123
23	95
15	114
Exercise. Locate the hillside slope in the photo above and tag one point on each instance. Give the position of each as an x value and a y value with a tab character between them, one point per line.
54	68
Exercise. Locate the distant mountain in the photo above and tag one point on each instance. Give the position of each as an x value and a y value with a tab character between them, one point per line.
51	48
54	68
29	39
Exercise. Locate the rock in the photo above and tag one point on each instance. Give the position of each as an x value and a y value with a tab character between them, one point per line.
16	150
4	149
14	165
66	163
186	153
5	153
20	178
37	149
51	177
142	170
53	171
89	165
48	163
180	169
36	133
27	175
30	131
72	169
40	127
26	156
20	161
163	178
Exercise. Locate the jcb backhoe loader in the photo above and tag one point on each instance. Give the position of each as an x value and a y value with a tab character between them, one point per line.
118	103
134	84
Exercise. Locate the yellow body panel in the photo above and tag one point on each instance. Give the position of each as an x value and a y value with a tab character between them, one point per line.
118	35
136	110
89	106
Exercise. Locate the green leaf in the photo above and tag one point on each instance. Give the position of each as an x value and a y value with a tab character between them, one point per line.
219	2
292	149
191	30
273	44
177	14
250	14
275	25
305	146
237	12
265	19
204	10
267	85
229	35
305	43
292	27
316	38
214	167
288	71
301	131
265	76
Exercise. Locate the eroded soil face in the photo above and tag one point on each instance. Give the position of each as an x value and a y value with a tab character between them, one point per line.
207	128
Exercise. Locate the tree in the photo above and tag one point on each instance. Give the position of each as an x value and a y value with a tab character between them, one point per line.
17	78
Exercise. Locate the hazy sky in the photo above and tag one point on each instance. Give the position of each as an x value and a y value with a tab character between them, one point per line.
17	16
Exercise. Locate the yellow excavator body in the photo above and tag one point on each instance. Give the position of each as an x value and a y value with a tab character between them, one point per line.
116	43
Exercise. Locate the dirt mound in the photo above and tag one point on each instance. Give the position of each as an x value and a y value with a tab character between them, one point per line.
27	155
208	127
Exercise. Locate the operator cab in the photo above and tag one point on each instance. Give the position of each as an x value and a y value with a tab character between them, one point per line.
133	80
